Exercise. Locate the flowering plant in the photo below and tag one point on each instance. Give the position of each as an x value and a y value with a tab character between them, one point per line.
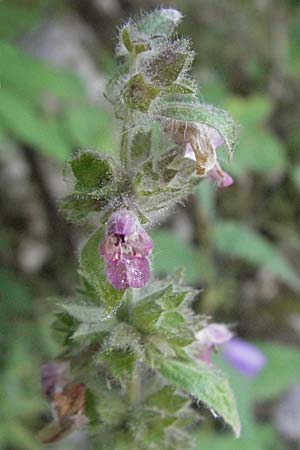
129	371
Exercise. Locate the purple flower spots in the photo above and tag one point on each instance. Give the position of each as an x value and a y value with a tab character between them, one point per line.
244	356
126	247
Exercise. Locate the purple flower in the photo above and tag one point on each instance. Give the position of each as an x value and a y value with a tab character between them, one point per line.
210	336
219	176
216	173
126	247
245	357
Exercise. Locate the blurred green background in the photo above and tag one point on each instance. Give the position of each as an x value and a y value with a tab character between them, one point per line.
241	244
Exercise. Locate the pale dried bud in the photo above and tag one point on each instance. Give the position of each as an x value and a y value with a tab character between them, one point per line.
202	139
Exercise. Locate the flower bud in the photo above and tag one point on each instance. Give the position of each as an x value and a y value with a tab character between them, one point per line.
126	247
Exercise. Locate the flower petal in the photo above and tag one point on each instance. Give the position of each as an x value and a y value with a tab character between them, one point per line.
219	176
122	221
117	275
244	356
138	272
214	334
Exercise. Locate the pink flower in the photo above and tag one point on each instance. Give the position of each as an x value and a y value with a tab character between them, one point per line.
210	336
126	247
242	355
216	173
219	176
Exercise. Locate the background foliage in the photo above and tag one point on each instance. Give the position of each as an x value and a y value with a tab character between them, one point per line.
241	244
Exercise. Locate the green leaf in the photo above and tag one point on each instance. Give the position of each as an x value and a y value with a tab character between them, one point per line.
186	108
259	150
182	86
83	313
284	361
29	126
156	311
161	22
111	408
85	330
37	78
91	318
93	267
78	208
91	170
174	328
237	240
145	313
166	399
124	337
126	38
89	127
121	349
121	363
164	68
141	145
132	40
138	93
206	384
167	261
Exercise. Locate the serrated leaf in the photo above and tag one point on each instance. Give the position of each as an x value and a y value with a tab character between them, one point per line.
162	22
124	337
145	313
139	93
174	328
87	329
78	208
121	349
91	319
93	267
141	145
165	68
166	399
186	108
111	408
170	299
182	86
205	383
120	362
83	313
237	240
91	171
